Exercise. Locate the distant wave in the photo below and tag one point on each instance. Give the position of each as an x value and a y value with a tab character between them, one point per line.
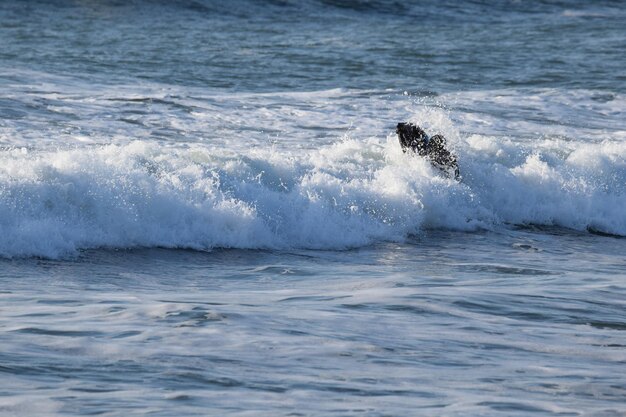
353	193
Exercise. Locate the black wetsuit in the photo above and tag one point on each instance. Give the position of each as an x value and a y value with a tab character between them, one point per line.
414	138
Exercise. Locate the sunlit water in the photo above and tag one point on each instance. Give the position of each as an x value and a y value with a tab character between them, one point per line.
204	209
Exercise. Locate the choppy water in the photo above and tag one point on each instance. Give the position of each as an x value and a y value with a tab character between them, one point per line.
204	209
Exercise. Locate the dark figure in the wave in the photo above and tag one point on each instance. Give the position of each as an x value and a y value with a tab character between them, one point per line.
413	138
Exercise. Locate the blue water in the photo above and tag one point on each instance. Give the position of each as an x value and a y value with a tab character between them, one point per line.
204	209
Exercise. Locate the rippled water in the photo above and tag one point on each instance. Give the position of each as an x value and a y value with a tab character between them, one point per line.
450	323
204	209
524	321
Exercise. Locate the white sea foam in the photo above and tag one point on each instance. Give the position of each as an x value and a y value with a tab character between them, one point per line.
155	165
348	194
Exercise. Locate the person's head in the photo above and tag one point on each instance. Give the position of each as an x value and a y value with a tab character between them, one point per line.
410	136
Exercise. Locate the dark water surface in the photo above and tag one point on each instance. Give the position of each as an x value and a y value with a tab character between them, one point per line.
317	45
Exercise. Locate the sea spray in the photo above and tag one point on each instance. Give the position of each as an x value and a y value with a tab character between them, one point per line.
348	194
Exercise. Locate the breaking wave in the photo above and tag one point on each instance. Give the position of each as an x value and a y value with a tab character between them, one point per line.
54	203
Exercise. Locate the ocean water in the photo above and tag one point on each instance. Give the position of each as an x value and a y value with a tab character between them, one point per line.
204	208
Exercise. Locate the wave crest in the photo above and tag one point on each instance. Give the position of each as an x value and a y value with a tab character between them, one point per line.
352	193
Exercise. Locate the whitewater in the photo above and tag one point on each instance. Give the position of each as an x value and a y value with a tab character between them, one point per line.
285	194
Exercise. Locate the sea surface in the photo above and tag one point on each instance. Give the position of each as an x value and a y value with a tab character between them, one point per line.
205	211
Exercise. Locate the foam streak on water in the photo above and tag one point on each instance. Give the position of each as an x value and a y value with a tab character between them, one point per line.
237	332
